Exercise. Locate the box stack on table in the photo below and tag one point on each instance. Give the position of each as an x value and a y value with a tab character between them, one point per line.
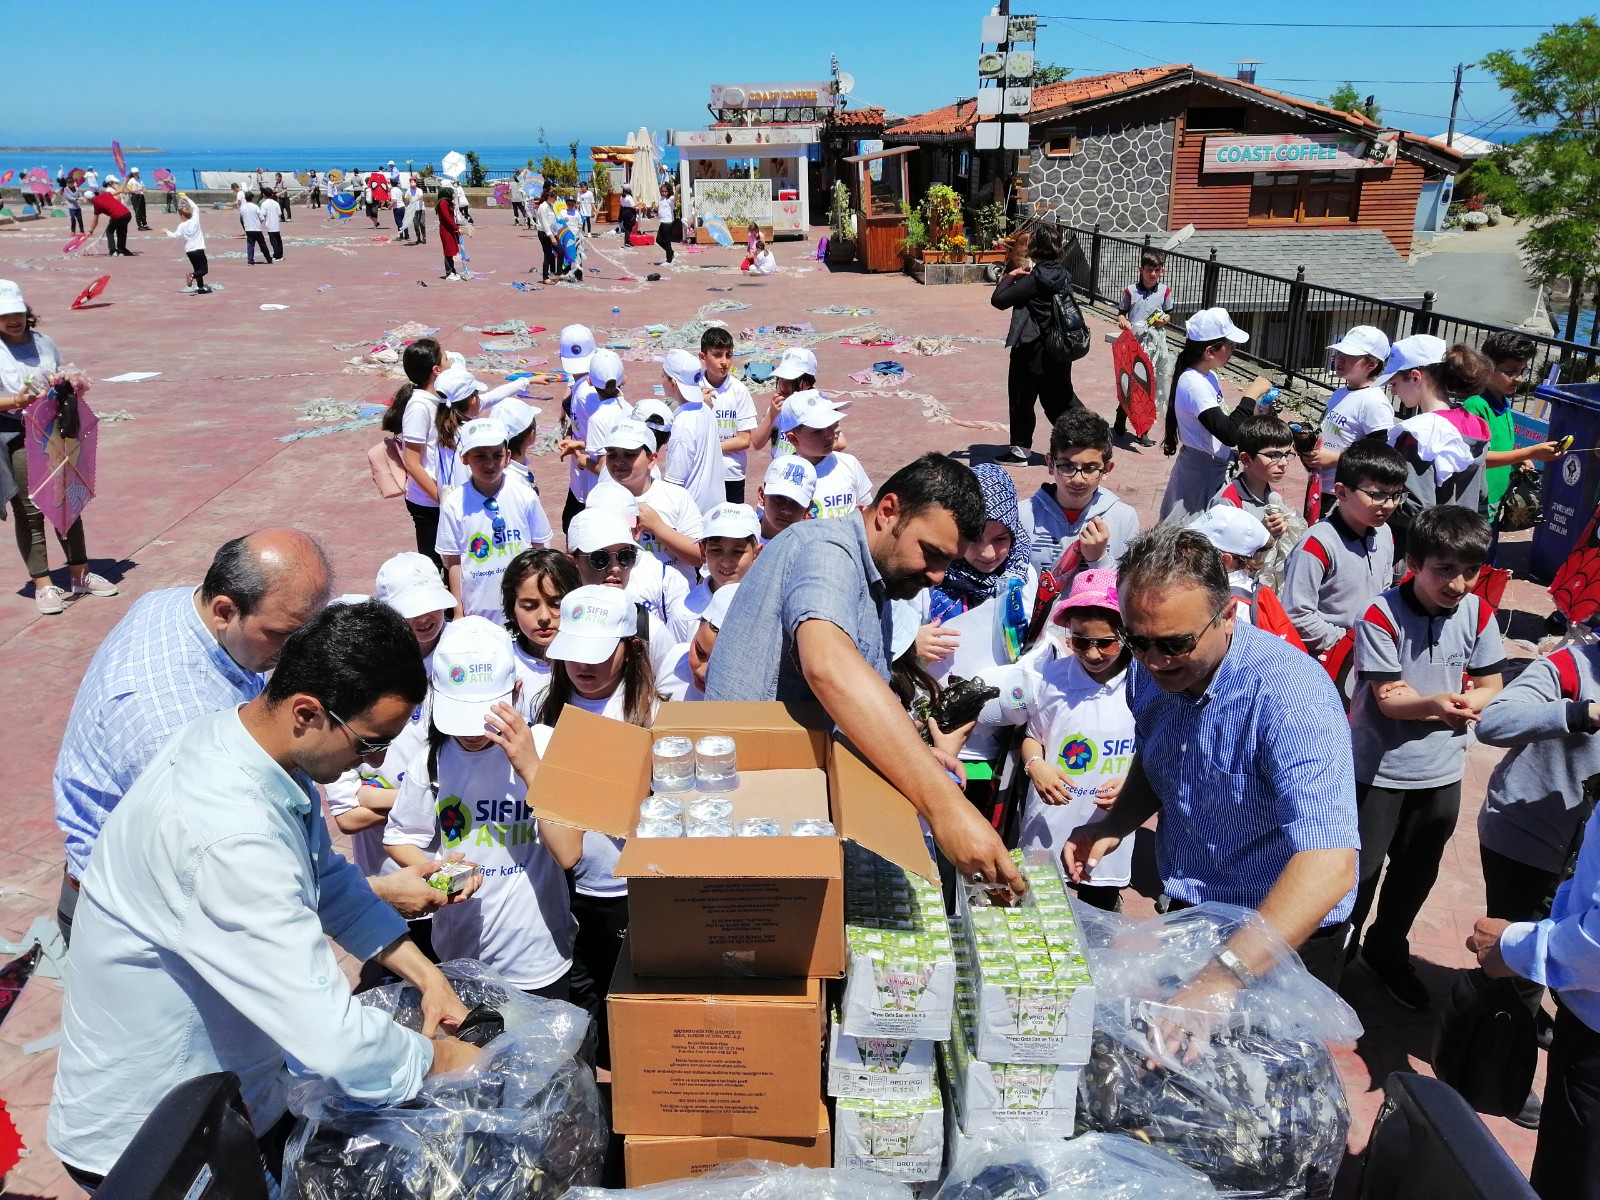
1024	1011
717	1006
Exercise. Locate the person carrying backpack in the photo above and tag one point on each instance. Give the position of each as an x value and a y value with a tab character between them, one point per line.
1035	376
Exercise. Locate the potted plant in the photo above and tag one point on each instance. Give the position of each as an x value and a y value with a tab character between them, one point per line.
841	226
991	222
607	200
941	213
916	243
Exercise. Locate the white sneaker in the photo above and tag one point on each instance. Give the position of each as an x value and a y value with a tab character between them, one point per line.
50	600
93	585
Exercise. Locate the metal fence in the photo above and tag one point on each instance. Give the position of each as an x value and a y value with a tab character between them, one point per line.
1291	322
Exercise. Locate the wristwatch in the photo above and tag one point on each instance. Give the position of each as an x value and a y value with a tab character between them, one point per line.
1237	966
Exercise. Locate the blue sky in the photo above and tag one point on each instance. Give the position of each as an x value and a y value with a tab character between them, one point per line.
488	72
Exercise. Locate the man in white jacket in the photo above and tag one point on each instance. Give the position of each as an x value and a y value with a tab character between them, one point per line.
272	221
250	218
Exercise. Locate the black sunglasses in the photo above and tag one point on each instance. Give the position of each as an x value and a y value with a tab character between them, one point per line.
366	747
1179	646
1083	644
600	560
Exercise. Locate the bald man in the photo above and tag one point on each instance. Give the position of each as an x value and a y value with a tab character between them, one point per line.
179	654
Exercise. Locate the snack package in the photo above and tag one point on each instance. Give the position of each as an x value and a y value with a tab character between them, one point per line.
901	978
451	878
1098	1165
871	1068
1258	1106
903	1139
524	1120
1034	1099
1029	984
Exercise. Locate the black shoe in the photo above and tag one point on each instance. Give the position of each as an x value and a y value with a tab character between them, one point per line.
578	276
1016	454
1399	979
1532	1110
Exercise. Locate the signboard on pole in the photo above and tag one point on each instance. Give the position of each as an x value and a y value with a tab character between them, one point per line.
772	95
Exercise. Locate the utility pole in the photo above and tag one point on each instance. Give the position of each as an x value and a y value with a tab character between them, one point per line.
1455	102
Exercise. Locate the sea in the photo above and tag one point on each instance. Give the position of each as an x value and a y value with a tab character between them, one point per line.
185	163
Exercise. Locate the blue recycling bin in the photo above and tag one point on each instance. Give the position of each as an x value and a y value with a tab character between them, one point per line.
1571	485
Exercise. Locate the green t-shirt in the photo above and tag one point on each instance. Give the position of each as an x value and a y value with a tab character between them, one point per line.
1502	436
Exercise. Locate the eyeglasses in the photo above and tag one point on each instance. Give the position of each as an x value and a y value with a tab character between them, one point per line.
1179	646
1275	456
1070	470
366	747
1519	373
1082	645
1382	497
600	560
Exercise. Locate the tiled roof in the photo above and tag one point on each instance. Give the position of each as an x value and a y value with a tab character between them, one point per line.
859	118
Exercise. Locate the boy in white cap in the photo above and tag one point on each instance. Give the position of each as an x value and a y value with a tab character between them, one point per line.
694	454
736	411
812	423
796	372
487	521
518	416
684	675
606	406
577	350
669	518
1358	409
1241	538
730	539
786	494
602	546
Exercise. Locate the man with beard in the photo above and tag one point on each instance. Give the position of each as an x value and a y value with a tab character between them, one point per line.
824	590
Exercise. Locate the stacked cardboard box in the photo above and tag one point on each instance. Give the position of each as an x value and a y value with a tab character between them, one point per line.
716	1009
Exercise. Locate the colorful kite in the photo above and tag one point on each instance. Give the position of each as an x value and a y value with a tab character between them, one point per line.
1576	587
1136	389
116	156
62	433
39	182
76	176
335	176
6	178
343	204
77	242
165	180
90	292
717	228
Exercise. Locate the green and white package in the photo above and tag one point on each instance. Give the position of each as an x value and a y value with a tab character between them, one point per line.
903	1139
872	1068
900	981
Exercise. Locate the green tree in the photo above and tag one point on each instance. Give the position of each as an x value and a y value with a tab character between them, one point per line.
1492	179
560	171
1346	99
1553	84
1050	73
477	173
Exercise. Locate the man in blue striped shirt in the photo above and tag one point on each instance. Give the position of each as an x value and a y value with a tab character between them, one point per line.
1244	750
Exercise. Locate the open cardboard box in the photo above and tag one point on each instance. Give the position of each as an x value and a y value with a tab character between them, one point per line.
659	1159
732	906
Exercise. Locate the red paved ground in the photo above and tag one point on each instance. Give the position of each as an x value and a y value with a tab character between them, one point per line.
200	462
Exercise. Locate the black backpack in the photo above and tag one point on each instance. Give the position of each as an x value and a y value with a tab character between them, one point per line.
1066	336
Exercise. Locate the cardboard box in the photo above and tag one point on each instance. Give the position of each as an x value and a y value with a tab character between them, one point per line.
903	1139
732	907
700	1057
879	1068
659	1159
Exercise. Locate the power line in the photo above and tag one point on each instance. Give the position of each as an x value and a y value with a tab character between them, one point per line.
1271	24
1336	79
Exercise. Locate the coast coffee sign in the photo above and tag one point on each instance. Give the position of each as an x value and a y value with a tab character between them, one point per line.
1300	152
772	95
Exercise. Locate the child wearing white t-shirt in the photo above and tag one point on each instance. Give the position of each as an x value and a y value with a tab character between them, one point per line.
736	411
669	520
487	521
812	425
535	583
694	452
464	791
730	541
1356	410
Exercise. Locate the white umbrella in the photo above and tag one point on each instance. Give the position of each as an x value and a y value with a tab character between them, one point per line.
643	178
454	165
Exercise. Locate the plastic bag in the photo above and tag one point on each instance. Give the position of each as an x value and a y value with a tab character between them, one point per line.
753	1180
1275	554
524	1122
1104	1166
1260	1110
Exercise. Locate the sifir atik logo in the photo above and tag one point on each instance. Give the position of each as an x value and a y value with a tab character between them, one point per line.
1080	754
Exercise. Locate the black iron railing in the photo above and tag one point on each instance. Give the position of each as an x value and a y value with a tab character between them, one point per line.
1293	321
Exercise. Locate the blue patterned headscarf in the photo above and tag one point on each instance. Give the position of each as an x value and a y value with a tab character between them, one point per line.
964	585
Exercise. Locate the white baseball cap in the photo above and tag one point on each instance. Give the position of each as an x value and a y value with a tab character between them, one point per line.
1231	530
473	669
577	348
1364	340
481	432
795	362
610	496
716	612
516	415
630	435
409	583
684	369
456	384
791	476
605	366
11	300
112	179
595	529
1213	324
133	170
1418	350
593	620
731	521
654	414
811	409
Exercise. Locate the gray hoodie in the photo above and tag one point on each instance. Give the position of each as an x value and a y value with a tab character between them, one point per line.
1050	530
1535	800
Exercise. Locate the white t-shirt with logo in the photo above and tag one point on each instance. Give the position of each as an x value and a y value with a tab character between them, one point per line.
519	921
664	592
679	510
601	416
1351	416
694	456
584	402
485	546
534	676
1086	729
842	486
736	414
1197	392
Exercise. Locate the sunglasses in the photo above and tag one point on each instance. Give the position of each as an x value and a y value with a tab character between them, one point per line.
366	747
600	560
1082	645
491	505
1179	646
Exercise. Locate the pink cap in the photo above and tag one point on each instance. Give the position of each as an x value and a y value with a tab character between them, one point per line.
1090	589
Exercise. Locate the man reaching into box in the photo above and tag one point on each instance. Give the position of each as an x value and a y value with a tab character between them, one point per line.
826	585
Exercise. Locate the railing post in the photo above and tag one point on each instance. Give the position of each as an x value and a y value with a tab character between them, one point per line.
1296	318
1424	322
1094	263
1208	287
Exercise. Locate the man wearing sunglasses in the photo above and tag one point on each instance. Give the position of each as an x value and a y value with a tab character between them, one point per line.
205	913
1244	750
811	622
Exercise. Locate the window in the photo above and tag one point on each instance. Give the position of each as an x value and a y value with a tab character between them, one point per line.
1304	197
1061	145
1216	120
